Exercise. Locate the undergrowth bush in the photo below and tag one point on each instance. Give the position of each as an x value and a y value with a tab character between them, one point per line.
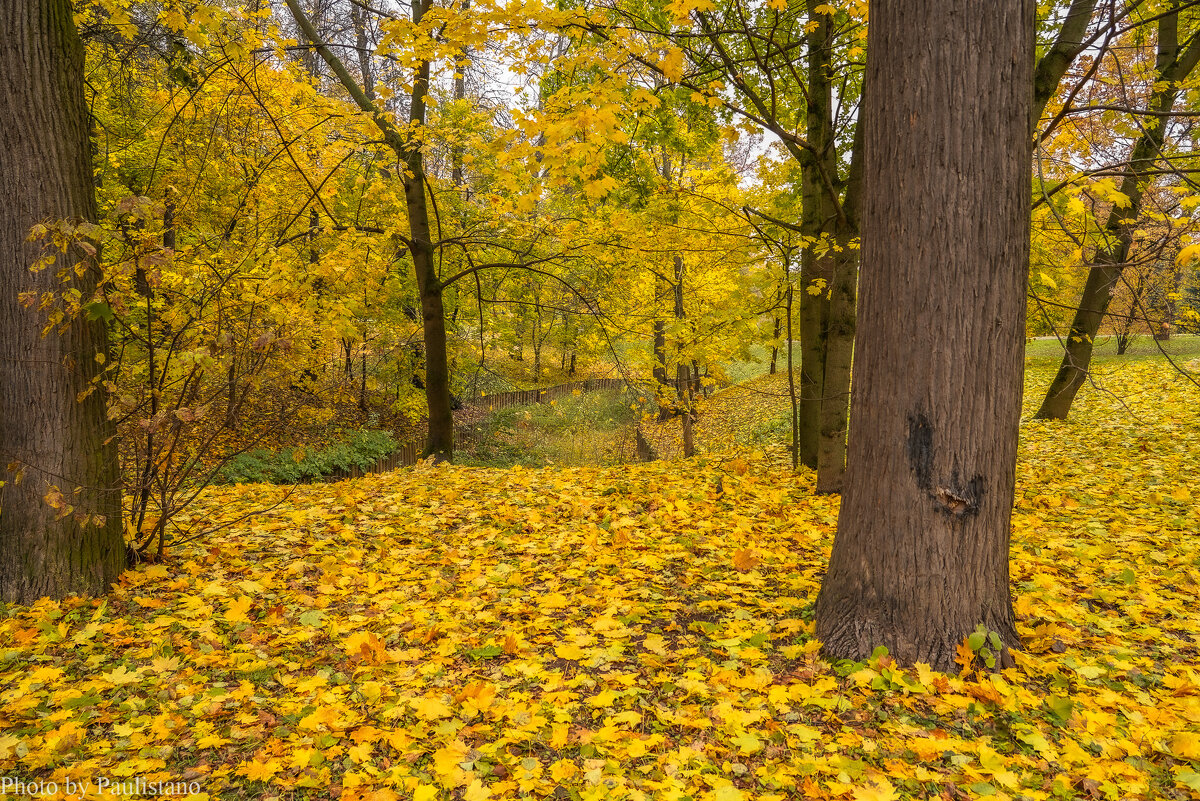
362	449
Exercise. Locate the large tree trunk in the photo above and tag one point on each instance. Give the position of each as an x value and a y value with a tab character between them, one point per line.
51	438
1172	67
921	553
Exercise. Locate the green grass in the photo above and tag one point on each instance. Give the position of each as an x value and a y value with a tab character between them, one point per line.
759	363
1181	346
593	428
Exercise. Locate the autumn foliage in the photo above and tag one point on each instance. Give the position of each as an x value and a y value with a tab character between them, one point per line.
628	632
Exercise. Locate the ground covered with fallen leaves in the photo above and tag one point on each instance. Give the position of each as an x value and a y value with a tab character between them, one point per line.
625	633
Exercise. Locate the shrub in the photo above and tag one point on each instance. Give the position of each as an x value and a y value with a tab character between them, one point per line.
362	450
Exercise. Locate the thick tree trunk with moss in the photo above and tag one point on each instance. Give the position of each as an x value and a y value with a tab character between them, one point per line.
60	513
1172	65
829	270
839	350
921	552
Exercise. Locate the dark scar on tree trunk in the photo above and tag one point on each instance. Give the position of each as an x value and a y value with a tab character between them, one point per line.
920	449
958	499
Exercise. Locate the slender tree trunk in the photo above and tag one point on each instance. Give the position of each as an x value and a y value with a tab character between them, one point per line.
792	396
56	441
1067	46
440	444
362	384
683	383
460	93
660	351
840	331
775	348
362	43
1172	66
813	311
921	553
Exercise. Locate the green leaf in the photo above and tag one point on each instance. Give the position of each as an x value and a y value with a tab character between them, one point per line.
1061	707
99	310
312	617
486	652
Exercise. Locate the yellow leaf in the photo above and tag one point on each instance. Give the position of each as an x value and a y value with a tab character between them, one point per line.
655	644
562	770
122	676
1187	745
727	792
477	791
1188	254
425	792
237	610
882	790
747	743
569	651
672	64
257	771
446	760
432	709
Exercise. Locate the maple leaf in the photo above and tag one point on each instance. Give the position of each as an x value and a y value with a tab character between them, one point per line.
122	675
569	651
257	771
431	709
424	792
965	657
880	790
745	560
1186	745
236	611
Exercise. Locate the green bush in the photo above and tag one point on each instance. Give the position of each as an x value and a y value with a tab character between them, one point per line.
362	449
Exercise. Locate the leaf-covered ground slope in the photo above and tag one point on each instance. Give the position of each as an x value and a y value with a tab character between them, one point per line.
636	632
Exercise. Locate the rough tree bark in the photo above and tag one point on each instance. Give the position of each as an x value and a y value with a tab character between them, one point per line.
921	553
1173	65
46	434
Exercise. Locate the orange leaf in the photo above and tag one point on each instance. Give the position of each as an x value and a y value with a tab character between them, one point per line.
745	560
965	656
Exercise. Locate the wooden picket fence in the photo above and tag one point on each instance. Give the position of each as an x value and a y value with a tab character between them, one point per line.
405	456
528	397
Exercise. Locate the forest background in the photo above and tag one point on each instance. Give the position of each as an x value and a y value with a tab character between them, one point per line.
322	227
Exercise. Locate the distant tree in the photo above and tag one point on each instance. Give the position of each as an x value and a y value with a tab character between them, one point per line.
60	520
1174	62
921	553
